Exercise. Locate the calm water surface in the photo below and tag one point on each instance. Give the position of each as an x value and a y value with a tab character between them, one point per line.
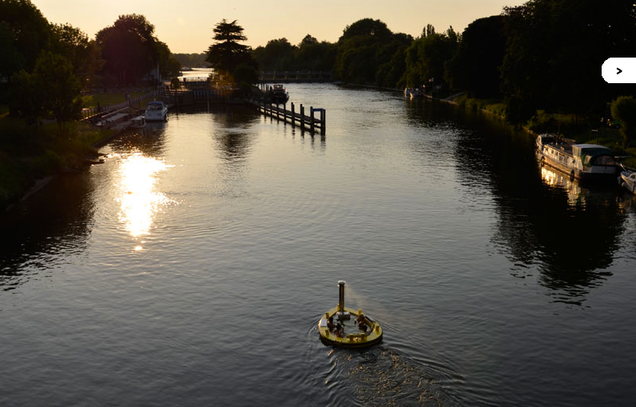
192	266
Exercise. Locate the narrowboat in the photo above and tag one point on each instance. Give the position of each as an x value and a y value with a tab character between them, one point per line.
585	162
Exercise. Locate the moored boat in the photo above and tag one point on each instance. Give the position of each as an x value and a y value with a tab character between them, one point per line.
347	327
586	162
138	122
278	95
156	111
413	93
628	180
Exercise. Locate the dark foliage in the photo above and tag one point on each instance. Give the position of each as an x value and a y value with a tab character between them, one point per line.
475	66
227	52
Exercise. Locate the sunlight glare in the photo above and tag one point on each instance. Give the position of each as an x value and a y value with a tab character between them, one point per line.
138	194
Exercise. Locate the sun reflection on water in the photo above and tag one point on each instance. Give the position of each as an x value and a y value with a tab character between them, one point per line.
555	179
138	195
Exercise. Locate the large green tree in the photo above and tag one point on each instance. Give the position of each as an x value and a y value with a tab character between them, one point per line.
427	56
554	52
313	55
25	32
227	52
60	87
277	55
51	90
12	59
82	53
168	64
309	55
475	66
365	51
129	48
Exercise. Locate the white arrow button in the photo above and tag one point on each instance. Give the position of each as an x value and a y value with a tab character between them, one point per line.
619	70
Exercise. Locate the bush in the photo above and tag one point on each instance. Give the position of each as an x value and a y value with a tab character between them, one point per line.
624	109
245	73
49	163
565	124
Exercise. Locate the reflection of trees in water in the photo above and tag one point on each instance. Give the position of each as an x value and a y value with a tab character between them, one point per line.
232	132
627	204
52	223
149	140
569	239
430	114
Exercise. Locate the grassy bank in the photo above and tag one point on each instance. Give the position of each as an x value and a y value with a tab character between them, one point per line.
571	126
29	153
110	98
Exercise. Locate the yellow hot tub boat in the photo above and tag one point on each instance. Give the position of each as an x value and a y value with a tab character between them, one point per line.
346	327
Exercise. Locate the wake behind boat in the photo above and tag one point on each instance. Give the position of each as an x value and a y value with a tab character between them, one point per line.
586	162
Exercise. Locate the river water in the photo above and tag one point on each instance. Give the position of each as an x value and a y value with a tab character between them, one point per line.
191	267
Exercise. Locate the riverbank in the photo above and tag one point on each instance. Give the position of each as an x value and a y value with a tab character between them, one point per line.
570	126
31	156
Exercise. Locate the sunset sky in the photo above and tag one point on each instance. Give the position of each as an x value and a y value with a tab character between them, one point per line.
186	25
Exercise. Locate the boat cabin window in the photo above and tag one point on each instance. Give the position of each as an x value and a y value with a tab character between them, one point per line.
603	160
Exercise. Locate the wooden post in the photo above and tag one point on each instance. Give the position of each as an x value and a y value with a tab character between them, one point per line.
323	120
311	125
293	114
302	117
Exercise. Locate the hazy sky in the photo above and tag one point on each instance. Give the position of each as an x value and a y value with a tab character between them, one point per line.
186	25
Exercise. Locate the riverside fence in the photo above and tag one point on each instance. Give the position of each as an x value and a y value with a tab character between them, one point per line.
138	103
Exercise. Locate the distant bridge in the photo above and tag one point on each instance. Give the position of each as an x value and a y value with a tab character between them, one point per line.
295	76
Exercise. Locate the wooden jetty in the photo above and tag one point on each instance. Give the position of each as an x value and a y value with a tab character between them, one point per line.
315	122
196	92
201	92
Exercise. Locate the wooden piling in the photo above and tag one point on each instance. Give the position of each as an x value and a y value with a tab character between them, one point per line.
323	121
302	116
310	122
293	115
311	112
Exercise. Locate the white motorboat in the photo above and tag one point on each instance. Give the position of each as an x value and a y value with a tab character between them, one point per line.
156	111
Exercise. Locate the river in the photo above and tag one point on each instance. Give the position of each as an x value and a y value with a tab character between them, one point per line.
192	266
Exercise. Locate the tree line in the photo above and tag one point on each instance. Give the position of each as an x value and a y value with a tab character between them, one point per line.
544	55
45	67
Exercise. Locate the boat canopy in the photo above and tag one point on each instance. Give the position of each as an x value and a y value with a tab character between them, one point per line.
593	154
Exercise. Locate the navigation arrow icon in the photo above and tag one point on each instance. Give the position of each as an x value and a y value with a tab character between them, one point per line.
619	70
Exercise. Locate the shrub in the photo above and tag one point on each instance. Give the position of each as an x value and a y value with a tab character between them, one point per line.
624	109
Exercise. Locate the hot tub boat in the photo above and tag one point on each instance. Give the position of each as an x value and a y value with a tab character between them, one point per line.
346	327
